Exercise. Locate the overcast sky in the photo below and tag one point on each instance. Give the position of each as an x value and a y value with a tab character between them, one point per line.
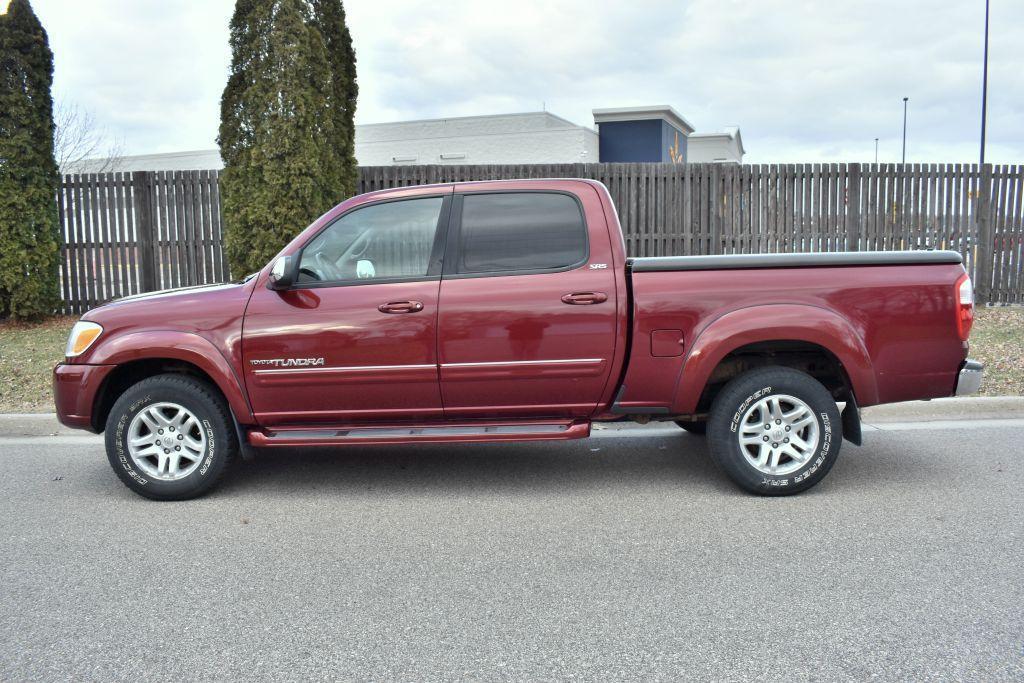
805	81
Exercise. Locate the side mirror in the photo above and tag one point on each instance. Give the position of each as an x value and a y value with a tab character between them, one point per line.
284	273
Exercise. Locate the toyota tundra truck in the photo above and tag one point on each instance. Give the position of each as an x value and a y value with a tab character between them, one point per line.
509	311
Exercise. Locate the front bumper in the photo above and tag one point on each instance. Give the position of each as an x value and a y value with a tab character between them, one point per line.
969	379
75	389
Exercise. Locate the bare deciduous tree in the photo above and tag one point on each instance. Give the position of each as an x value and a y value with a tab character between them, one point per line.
80	144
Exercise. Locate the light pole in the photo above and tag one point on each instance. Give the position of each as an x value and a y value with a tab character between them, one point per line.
905	129
984	87
876	150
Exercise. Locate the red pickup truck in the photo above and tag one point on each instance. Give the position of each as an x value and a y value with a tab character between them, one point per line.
508	311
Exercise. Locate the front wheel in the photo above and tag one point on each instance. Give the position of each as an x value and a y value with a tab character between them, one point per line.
170	437
775	431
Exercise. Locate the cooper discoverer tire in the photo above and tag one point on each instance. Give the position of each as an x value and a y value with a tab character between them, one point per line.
775	431
170	437
698	428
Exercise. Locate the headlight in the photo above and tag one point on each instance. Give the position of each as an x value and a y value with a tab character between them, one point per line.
83	334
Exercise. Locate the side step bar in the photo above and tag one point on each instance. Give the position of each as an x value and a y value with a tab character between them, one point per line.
464	432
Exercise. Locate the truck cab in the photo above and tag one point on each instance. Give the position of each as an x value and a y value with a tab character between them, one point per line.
495	301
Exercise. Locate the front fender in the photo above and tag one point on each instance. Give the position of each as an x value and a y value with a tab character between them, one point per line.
775	322
177	345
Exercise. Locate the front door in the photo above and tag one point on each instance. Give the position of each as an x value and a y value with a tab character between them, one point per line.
356	339
528	316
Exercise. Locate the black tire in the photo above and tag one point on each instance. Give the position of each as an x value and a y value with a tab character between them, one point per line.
698	428
738	396
199	398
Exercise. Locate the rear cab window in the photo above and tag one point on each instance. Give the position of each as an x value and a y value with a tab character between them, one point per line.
510	233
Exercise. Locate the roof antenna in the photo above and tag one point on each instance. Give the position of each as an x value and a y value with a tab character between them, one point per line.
543	105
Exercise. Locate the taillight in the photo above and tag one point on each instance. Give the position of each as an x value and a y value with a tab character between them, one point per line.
963	290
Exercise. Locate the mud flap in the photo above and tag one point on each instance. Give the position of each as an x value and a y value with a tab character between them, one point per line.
246	449
851	422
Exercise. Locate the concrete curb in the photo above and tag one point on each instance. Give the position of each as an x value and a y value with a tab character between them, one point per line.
34	424
967	408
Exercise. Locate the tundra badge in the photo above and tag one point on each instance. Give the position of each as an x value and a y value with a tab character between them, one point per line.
289	362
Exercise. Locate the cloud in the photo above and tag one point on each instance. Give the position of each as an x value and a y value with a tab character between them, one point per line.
152	72
806	81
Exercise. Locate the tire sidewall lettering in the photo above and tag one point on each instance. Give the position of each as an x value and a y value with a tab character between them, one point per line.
211	443
738	415
823	449
120	439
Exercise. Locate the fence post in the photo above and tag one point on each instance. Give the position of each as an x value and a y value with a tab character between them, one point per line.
985	238
142	190
716	209
853	226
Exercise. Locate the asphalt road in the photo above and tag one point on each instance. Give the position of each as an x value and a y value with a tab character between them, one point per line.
624	557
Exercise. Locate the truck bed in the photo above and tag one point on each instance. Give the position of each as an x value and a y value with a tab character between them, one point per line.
887	317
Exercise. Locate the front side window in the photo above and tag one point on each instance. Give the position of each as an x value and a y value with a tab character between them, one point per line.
520	231
381	241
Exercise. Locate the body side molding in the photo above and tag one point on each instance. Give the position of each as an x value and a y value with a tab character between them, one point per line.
822	260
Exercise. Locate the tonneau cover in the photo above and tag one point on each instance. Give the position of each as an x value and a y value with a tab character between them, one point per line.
826	259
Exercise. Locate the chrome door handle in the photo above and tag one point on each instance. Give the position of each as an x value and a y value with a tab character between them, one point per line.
401	307
585	298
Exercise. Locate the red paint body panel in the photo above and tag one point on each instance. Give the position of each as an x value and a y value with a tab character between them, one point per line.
201	326
509	348
377	366
892	327
517	349
74	392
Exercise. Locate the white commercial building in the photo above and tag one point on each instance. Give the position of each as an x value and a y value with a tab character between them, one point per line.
726	146
624	134
530	138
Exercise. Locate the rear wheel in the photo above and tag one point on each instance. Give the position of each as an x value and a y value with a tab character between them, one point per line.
698	428
775	431
170	437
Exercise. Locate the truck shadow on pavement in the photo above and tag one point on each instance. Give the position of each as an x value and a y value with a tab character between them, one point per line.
672	461
676	463
669	464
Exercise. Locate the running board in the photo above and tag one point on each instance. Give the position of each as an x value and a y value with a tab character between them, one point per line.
465	432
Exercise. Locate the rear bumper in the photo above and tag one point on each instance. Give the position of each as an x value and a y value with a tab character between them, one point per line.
75	388
969	379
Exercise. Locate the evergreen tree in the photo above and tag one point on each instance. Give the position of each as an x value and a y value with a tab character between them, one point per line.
278	130
329	16
29	224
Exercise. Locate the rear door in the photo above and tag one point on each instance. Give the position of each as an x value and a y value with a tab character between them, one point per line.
527	315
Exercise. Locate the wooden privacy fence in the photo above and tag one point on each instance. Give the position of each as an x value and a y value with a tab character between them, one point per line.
126	233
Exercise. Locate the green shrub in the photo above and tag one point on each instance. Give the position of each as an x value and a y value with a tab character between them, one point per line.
285	135
29	224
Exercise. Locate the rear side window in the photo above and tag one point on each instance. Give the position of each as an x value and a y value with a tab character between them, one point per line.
520	231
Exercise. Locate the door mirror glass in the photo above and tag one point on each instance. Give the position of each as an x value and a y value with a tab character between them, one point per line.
365	269
282	275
